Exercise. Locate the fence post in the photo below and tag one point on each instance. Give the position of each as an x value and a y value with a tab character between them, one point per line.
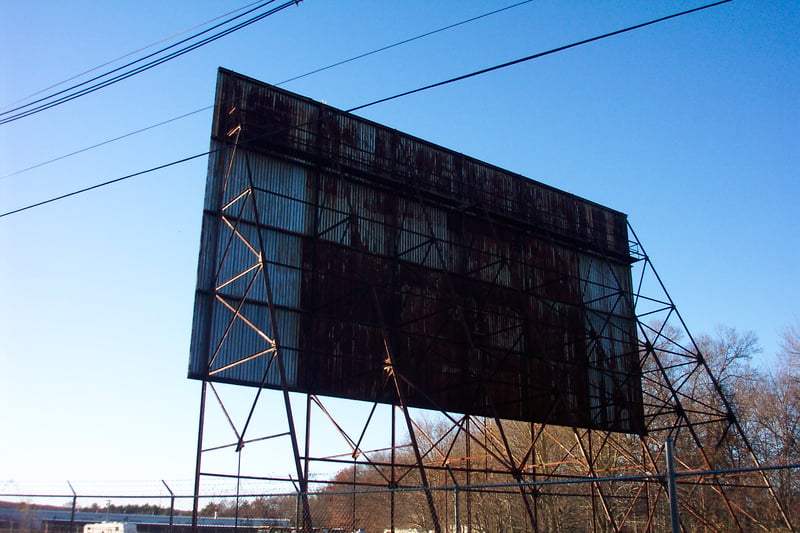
297	512
74	504
456	512
171	505
672	488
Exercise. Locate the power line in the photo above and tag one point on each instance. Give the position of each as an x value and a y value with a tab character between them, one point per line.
406	41
105	183
315	71
50	101
107	141
142	49
153	54
382	100
540	54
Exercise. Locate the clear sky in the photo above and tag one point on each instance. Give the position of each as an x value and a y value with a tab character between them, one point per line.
691	127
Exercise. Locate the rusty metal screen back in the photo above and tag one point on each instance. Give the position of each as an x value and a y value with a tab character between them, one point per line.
340	257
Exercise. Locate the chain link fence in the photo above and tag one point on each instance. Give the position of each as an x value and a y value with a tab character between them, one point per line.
565	505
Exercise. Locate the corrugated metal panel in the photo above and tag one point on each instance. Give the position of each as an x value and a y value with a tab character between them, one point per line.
490	289
233	341
422	234
358	142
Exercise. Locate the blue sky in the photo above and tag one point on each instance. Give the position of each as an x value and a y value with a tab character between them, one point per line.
690	127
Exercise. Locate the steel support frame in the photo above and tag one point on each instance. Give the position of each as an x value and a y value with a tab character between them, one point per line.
667	367
230	214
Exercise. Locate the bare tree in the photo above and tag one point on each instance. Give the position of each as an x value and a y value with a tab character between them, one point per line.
766	404
790	348
774	418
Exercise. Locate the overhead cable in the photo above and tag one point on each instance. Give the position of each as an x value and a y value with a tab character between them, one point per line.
538	55
120	58
381	100
51	100
107	141
406	41
315	71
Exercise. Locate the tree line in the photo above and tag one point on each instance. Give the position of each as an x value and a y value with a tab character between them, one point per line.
765	403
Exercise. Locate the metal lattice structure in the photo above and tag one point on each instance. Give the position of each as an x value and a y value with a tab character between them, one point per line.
622	342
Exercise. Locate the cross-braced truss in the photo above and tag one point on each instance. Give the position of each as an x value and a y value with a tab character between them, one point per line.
324	444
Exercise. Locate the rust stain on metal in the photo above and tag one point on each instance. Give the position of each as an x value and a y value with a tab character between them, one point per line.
482	277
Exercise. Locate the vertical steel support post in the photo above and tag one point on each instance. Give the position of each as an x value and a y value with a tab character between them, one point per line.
297	506
238	487
468	474
409	423
672	487
196	496
393	479
353	514
456	490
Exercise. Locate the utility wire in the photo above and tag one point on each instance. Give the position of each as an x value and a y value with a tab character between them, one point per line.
315	71
381	100
120	58
106	183
405	41
540	54
51	100
156	53
107	141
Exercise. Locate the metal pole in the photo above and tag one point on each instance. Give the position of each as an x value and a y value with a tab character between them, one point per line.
297	511
393	480
672	488
171	505
456	513
238	485
196	496
297	504
353	515
74	504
